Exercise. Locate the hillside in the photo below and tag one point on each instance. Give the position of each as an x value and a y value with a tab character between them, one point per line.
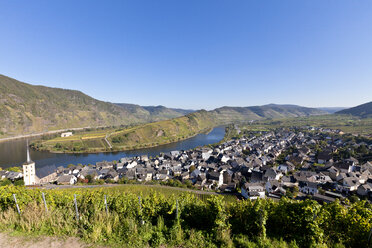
140	136
273	111
166	131
163	132
363	110
26	108
153	113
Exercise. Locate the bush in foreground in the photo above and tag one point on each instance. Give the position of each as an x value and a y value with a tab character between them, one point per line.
173	221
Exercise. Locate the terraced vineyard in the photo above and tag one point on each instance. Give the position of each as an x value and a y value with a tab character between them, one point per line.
129	218
141	136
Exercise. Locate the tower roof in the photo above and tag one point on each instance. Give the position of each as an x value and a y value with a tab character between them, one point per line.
28	161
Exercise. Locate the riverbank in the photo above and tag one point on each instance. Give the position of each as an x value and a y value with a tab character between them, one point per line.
143	136
13	153
105	149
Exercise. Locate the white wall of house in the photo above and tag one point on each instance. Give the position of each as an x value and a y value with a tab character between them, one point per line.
66	134
132	165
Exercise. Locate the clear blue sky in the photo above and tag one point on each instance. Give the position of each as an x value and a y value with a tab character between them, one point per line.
193	54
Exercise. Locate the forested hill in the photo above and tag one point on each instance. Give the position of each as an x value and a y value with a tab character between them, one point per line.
26	108
363	110
230	114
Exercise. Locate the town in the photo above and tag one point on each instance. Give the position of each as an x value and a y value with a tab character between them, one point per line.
296	163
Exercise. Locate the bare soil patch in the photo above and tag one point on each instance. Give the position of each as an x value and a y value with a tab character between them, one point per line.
9	241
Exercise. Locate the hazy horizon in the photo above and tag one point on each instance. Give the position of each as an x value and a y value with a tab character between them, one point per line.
193	54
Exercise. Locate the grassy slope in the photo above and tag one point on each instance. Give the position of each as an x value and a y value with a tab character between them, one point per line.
26	108
363	110
164	131
145	135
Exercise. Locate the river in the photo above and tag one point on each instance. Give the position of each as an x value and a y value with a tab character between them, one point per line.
14	152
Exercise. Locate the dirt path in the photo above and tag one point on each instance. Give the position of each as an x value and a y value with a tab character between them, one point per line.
108	143
8	241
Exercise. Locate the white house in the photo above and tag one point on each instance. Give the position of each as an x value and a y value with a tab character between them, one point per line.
131	164
66	134
148	176
350	184
253	191
225	158
67	179
308	187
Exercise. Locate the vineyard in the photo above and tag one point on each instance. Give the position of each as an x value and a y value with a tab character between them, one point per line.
124	219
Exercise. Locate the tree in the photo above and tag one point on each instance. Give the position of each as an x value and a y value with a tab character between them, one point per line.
58	145
19	182
90	178
321	191
295	191
100	181
5	182
188	184
15	169
246	151
354	199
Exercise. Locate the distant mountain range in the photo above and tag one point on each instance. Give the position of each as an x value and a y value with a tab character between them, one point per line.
363	110
332	110
226	114
26	109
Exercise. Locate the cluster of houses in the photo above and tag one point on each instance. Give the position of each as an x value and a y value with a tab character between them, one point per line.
248	163
312	172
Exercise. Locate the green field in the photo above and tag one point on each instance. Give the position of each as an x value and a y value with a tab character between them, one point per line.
345	123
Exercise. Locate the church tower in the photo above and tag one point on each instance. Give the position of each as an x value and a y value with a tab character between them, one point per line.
29	170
